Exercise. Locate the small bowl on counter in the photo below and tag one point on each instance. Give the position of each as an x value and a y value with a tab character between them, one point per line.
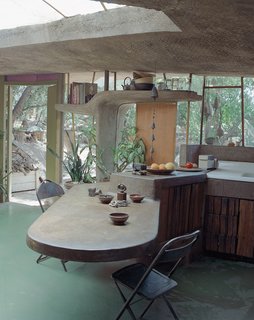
105	198
118	218
136	197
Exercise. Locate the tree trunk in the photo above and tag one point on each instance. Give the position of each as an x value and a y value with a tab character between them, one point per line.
20	104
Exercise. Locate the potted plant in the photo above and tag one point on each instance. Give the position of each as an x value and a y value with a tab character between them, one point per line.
131	149
93	159
72	162
81	168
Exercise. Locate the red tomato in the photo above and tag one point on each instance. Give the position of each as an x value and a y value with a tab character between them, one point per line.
189	165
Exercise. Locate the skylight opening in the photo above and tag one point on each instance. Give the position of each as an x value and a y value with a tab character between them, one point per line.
16	13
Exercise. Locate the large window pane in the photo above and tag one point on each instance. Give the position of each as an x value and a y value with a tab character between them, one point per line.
249	112
222	81
222	116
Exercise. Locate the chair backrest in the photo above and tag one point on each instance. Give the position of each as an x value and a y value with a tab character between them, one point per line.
48	190
175	250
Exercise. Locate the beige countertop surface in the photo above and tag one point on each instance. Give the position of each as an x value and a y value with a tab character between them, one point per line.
234	171
77	227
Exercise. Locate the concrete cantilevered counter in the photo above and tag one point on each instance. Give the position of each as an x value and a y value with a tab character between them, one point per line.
77	227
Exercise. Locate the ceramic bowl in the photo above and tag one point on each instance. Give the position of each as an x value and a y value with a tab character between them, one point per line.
119	218
143	86
144	80
105	198
136	197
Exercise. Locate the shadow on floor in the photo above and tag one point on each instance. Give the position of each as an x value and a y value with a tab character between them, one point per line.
209	289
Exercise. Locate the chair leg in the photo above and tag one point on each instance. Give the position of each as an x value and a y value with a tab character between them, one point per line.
146	309
170	307
63	264
125	306
42	258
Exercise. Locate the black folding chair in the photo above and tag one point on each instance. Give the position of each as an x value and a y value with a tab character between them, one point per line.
147	282
47	193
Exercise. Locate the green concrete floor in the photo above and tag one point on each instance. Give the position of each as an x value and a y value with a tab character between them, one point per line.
209	289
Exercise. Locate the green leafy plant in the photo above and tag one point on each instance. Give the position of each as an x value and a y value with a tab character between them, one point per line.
82	168
94	155
72	161
129	150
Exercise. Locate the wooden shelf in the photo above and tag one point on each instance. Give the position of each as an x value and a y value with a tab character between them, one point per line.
115	99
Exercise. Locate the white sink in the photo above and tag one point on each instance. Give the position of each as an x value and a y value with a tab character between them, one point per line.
233	170
248	175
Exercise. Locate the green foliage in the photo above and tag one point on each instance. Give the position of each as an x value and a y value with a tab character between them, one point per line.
35	104
81	162
72	161
94	154
129	150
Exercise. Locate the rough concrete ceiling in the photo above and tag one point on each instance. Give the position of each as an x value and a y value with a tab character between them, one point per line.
216	38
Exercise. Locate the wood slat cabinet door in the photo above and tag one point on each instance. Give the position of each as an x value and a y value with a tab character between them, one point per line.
181	210
229	226
245	244
221	224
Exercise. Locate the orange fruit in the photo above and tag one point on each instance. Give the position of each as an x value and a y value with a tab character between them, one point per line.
162	166
154	166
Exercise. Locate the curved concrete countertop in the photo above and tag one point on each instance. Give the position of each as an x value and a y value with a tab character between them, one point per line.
78	228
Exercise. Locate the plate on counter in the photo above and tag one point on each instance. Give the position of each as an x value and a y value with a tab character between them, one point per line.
159	172
189	169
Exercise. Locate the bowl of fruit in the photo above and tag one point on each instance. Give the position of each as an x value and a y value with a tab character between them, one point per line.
162	168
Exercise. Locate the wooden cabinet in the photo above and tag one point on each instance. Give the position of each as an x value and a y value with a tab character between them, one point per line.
181	210
229	225
245	243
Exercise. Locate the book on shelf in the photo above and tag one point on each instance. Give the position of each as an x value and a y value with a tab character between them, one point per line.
82	92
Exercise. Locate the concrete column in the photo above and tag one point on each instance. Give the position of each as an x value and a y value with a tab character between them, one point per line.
106	129
54	131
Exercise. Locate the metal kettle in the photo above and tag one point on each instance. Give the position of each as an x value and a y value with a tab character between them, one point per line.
128	84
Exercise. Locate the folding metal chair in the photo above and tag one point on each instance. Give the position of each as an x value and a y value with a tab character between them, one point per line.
147	282
47	193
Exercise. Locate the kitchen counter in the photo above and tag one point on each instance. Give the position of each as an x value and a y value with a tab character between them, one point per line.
235	171
229	208
78	228
150	185
232	179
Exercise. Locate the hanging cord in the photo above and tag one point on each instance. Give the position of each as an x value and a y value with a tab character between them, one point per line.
55	9
152	136
103	6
